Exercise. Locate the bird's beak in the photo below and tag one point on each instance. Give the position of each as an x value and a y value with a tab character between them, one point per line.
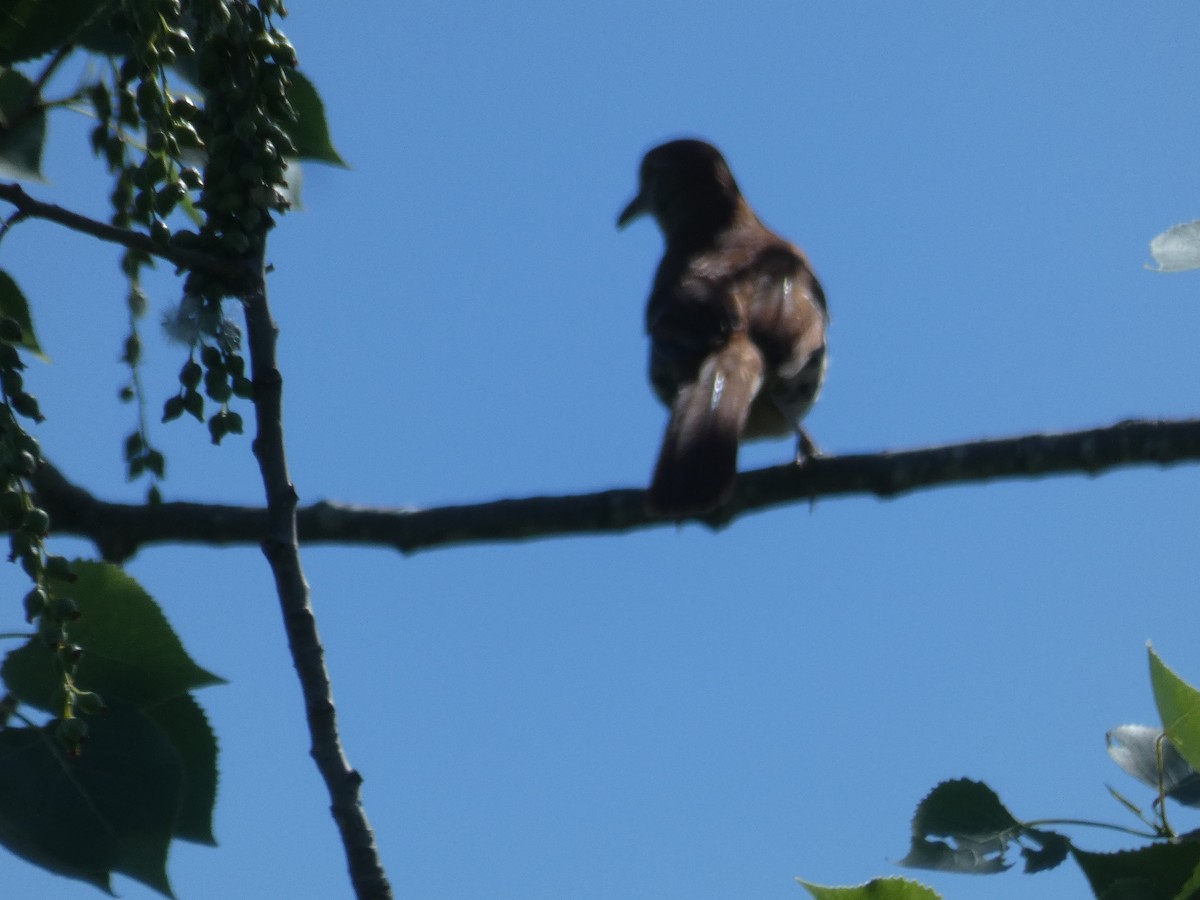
636	207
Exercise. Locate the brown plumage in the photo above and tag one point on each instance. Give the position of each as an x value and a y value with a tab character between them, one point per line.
736	320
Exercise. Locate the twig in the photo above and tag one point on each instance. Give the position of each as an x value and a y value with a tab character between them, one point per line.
281	547
120	530
51	66
235	273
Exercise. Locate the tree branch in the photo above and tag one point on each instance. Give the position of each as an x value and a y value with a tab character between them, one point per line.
281	547
120	530
28	207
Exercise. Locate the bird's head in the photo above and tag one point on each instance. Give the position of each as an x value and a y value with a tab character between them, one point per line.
687	187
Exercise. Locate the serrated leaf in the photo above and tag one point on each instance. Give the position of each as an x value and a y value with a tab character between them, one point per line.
879	889
130	651
110	810
1178	707
1052	850
22	127
963	808
185	726
1157	870
310	133
31	28
14	305
1135	748
972	816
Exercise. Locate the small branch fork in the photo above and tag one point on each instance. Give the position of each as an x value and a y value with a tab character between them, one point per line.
274	528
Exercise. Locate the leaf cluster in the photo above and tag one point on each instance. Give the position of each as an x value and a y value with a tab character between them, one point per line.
962	825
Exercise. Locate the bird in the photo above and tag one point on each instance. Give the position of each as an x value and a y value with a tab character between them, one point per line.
736	319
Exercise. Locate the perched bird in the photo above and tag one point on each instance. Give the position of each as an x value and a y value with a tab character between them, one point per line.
736	320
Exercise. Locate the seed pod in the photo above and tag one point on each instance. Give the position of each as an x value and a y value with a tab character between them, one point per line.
243	387
36	521
184	109
173	408
179	42
101	102
65	609
12	506
216	385
26	405
149	100
283	52
190	374
59	568
72	732
34	603
193	404
160	232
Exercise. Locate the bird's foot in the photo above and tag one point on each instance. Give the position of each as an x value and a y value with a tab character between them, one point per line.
806	449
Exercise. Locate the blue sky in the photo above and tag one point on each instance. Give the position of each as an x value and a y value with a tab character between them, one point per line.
675	713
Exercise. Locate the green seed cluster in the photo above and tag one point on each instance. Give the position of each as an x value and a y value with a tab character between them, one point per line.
243	64
144	133
221	159
221	376
48	603
148	188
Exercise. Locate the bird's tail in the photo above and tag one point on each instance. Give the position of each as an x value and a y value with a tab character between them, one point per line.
698	461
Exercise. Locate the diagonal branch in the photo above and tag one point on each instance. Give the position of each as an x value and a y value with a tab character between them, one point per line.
120	530
281	547
28	207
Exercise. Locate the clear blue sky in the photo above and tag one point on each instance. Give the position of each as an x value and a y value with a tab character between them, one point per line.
676	713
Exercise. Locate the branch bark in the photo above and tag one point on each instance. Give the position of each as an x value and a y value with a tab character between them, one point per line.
28	207
281	547
120	530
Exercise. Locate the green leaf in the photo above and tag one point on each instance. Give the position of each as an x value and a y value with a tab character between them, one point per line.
99	36
14	305
185	726
1178	707
1158	870
30	28
964	856
980	830
963	808
130	651
310	133
134	661
22	127
969	813
1053	850
1191	887
879	889
110	810
1149	756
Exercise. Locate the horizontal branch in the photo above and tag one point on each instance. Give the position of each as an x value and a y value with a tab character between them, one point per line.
28	207
119	530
